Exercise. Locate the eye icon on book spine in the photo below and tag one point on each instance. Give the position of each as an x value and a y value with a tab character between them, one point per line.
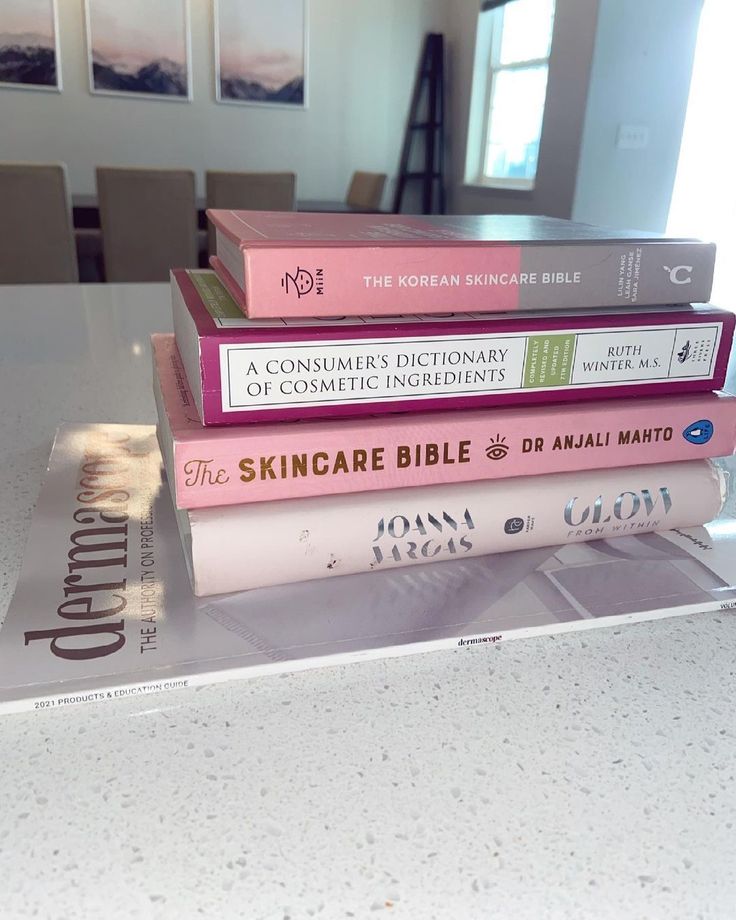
497	449
699	432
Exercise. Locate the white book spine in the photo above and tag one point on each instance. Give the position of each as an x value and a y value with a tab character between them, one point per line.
249	546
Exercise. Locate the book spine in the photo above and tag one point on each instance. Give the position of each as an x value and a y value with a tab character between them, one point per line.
299	461
308	377
384	280
340	535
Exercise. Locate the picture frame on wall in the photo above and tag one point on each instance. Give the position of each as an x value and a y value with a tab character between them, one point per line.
261	52
29	45
139	48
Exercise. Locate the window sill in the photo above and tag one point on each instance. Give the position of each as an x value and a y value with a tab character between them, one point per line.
516	188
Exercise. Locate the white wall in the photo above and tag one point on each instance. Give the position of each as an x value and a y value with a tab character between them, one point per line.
569	72
641	72
362	60
613	62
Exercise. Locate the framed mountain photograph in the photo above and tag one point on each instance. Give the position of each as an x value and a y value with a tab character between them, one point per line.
261	52
29	45
139	48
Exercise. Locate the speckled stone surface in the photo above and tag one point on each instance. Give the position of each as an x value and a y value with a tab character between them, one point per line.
585	776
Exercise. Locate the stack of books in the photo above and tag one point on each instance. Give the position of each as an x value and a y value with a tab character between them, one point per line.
355	393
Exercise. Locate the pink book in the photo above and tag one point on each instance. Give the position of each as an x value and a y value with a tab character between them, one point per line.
290	264
243	370
255	463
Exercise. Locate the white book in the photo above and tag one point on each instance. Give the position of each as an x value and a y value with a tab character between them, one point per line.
241	547
103	608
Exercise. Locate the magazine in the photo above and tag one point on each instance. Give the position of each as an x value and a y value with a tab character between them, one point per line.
104	609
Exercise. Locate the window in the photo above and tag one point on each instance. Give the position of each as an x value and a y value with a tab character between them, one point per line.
510	87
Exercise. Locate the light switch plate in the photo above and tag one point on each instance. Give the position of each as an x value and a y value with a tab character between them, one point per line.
632	137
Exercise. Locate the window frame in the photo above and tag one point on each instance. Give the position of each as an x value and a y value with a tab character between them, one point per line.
490	33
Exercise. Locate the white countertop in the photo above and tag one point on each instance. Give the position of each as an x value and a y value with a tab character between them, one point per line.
578	776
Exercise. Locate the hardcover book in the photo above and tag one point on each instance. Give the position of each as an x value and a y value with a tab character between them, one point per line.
149	633
306	538
232	465
241	370
297	264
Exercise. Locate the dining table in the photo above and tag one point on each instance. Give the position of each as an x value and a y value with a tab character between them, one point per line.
568	776
86	209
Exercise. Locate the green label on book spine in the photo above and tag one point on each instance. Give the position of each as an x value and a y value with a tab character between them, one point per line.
218	303
548	360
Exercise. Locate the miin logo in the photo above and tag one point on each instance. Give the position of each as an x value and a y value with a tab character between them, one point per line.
679	274
497	449
302	282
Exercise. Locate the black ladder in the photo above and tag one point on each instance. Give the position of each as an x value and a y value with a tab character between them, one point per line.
426	115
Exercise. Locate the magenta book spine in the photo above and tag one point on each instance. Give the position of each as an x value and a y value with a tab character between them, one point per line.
316	281
348	372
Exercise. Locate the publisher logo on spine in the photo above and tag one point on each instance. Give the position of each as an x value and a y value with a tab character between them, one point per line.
699	432
695	351
302	282
679	274
514	525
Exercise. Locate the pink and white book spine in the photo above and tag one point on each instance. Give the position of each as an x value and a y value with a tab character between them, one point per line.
251	546
381	270
255	463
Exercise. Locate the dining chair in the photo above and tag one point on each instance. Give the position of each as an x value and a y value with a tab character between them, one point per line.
36	234
366	191
251	191
149	222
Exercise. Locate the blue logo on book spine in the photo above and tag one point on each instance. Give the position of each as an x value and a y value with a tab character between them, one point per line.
699	432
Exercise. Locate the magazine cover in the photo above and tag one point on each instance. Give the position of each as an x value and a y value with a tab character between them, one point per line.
103	608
